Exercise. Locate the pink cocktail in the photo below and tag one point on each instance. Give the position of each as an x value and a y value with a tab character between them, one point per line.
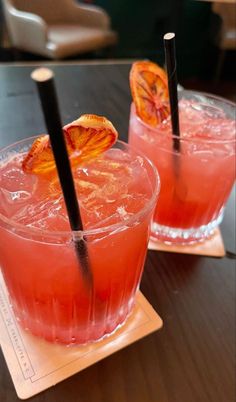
196	181
117	193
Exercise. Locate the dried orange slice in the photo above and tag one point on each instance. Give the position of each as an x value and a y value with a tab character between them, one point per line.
89	136
149	88
86	137
40	157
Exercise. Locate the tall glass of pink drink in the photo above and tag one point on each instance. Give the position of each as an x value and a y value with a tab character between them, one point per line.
196	181
117	193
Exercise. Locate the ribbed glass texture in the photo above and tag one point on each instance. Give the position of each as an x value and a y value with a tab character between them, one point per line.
48	292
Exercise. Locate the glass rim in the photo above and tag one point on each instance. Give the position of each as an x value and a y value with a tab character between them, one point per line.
87	232
191	139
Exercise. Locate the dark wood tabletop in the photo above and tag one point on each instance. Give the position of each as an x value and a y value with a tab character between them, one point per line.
192	359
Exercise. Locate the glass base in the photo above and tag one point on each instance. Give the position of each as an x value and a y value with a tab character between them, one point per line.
70	336
171	235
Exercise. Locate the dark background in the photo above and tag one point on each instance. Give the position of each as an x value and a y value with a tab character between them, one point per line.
141	25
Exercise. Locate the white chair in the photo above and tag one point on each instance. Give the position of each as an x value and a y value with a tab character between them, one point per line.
57	29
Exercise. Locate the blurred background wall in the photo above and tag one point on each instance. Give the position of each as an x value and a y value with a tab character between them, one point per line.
141	24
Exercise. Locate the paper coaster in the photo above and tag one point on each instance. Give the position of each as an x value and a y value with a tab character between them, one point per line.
36	365
212	247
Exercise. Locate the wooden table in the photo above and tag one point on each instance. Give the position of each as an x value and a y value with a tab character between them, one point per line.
192	359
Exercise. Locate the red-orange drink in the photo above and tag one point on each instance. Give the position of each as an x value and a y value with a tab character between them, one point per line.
197	180
117	193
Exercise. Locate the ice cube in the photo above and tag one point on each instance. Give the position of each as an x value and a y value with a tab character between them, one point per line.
47	214
13	179
11	202
13	197
123	214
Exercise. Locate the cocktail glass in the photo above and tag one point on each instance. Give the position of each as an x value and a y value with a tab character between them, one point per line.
47	290
196	181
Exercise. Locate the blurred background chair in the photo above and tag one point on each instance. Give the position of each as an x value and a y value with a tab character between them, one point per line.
141	24
226	39
57	29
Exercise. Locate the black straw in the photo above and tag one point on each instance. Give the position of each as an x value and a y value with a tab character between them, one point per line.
169	44
47	93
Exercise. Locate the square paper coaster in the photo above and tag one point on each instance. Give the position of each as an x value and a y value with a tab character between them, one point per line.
36	365
212	247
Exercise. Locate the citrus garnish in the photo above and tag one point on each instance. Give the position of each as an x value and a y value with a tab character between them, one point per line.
89	136
86	137
40	158
149	88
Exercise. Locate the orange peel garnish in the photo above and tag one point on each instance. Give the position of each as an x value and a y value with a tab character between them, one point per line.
149	88
40	157
86	138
